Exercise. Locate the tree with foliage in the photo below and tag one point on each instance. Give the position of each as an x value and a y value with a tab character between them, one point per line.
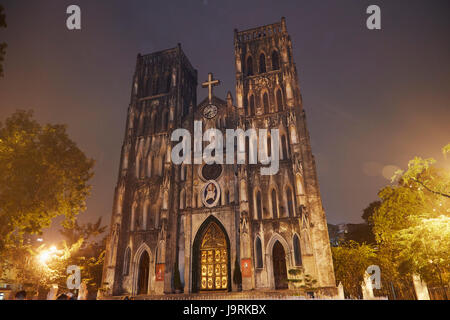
25	264
411	224
3	45
74	231
350	262
302	281
91	254
369	211
44	175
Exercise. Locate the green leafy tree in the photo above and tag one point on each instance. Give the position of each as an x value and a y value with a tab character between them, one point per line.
44	175
411	224
3	45
91	254
74	231
350	262
369	211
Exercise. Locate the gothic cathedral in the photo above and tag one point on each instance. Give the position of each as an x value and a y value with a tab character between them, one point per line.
206	222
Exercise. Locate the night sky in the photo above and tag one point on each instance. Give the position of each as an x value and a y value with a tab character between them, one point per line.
373	99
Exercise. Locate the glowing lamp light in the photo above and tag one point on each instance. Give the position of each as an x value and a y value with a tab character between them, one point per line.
44	256
47	255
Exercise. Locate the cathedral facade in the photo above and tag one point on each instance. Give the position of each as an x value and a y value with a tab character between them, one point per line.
211	222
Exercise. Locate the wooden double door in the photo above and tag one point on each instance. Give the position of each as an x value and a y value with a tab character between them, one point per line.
279	266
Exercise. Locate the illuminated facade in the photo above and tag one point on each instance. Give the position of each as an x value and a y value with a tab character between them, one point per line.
205	219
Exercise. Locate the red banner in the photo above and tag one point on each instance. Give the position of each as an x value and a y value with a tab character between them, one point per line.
246	268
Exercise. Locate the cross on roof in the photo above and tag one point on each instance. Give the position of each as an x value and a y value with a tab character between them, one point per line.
210	84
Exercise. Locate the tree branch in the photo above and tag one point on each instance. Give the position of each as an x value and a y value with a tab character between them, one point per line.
432	191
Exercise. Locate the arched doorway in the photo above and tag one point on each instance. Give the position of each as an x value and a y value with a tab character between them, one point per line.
143	273
279	266
211	258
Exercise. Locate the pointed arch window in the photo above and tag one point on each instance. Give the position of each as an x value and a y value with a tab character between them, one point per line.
155	86
266	102
262	63
259	255
279	99
166	121
284	152
258	205
297	251
148	216
249	66
246	106
126	261
252	105
168	83
290	202
274	204
153	129
275	61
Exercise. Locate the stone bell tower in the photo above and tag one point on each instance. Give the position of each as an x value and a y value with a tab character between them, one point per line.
287	207
141	248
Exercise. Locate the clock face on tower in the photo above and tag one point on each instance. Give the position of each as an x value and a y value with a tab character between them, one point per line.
210	111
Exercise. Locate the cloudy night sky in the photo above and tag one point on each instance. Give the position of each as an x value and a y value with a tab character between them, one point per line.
373	99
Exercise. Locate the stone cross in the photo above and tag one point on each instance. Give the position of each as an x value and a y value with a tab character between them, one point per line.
210	84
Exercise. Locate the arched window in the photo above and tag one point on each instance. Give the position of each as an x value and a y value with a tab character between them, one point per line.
262	63
166	121
249	66
142	167
266	102
155	86
275	61
246	106
279	100
126	261
284	154
252	105
259	255
258	205
146	89
168	83
148	216
274	204
141	125
153	129
297	251
290	202
269	146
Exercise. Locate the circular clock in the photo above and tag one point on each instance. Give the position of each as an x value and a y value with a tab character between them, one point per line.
210	111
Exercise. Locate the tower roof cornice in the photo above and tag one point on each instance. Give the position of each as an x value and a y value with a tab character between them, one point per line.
258	33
